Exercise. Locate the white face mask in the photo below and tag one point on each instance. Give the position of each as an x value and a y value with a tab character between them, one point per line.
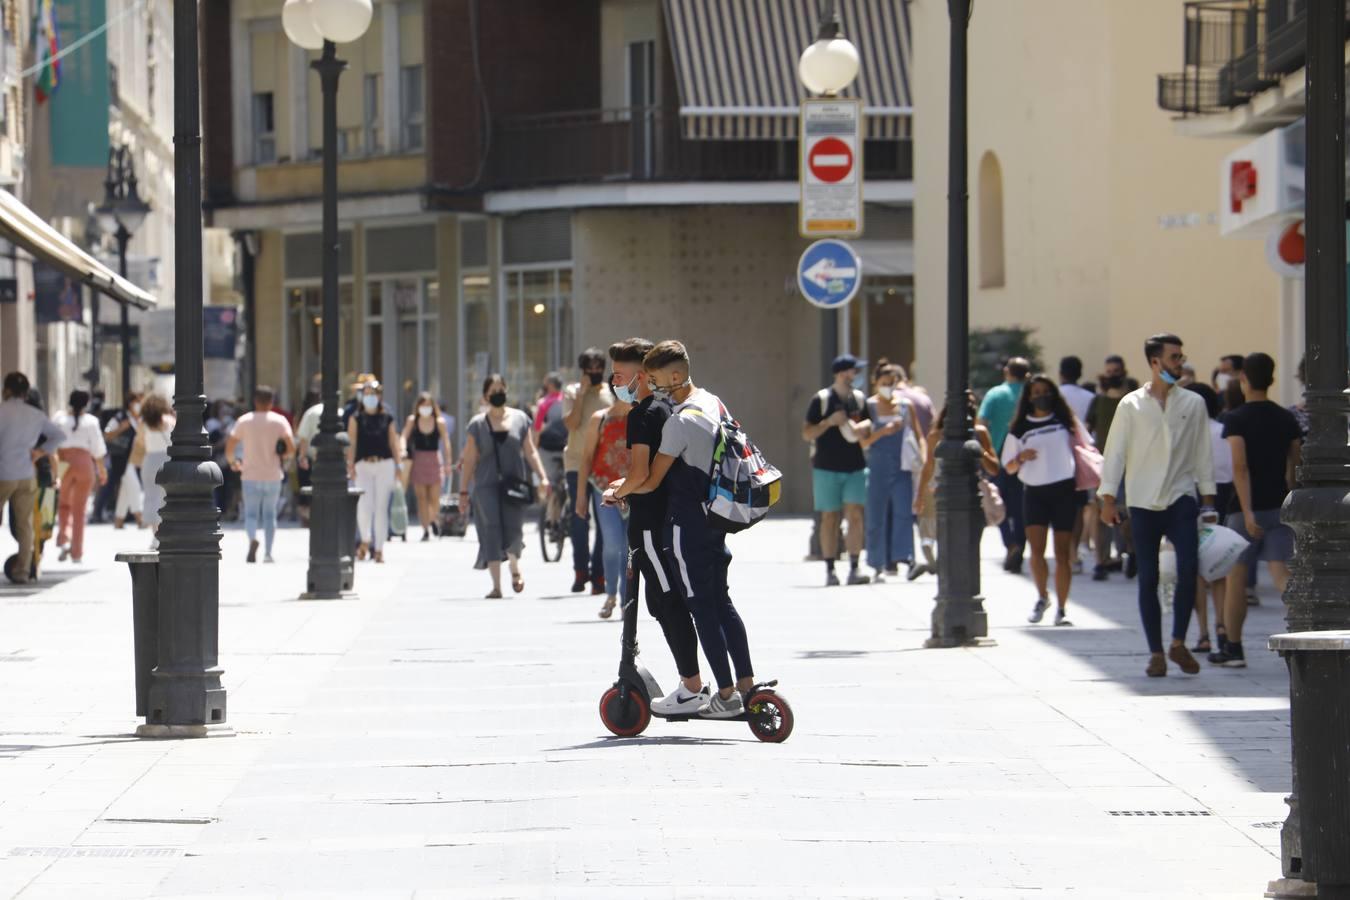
371	402
425	410
1222	380
886	390
135	409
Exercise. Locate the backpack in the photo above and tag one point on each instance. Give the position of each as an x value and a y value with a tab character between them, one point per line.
742	484
553	434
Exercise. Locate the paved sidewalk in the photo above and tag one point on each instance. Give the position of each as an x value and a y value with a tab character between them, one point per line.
424	741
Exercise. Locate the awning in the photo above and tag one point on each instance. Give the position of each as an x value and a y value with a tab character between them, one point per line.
24	227
736	64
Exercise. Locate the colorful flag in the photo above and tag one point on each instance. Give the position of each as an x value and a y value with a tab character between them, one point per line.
48	46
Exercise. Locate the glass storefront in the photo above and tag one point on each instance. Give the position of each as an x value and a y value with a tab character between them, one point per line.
304	341
538	318
402	338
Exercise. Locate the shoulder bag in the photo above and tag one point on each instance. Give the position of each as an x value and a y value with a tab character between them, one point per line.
1087	461
513	490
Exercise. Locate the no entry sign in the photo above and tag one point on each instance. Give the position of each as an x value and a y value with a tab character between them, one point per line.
830	170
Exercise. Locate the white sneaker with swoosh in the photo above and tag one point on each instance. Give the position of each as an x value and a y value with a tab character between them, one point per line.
681	702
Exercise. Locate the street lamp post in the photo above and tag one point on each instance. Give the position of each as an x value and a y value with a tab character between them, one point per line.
185	692
958	616
122	213
314	25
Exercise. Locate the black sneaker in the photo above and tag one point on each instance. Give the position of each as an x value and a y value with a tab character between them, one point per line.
1231	657
1131	565
1016	565
1008	560
1100	573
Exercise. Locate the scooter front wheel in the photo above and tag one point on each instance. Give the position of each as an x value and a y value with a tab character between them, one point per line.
628	722
770	716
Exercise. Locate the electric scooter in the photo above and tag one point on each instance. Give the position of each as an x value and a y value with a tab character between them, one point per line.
626	708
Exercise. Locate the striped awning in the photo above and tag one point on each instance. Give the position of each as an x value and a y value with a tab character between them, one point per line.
736	64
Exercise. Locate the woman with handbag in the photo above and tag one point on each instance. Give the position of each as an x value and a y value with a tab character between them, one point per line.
1043	451
499	452
925	497
372	446
895	454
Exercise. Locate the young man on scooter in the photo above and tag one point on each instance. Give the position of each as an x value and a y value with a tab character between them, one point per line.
646	522
699	549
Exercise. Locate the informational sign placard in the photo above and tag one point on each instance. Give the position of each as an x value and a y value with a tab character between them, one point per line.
220	331
830	173
829	274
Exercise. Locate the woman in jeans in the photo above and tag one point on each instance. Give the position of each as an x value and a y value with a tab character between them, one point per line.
373	446
1040	451
890	486
499	451
605	460
433	458
83	453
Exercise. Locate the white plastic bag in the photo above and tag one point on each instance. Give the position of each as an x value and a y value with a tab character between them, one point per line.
1220	549
1167	576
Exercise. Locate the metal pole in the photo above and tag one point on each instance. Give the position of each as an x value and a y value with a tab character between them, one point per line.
123	237
96	302
958	615
185	689
1318	596
330	566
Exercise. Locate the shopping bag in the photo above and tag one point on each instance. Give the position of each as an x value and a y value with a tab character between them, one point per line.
398	511
1220	549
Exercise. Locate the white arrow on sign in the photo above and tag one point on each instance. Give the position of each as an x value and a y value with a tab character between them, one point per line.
824	271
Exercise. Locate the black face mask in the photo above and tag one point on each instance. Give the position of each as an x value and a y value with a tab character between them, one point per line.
1113	381
596	377
497	398
1043	404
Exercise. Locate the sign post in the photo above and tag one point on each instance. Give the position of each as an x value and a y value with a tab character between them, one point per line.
830	173
829	274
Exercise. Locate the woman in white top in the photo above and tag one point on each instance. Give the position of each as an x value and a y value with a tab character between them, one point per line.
153	440
1223	479
82	452
1039	450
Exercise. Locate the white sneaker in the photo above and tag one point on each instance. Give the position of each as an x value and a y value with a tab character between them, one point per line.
729	708
1038	611
681	702
268	559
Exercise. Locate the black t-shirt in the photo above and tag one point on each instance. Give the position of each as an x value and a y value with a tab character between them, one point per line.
833	453
647	511
1267	430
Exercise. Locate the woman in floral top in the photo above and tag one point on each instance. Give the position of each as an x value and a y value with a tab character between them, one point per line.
606	460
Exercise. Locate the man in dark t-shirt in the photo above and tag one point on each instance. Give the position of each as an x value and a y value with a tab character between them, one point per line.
646	524
839	469
1266	442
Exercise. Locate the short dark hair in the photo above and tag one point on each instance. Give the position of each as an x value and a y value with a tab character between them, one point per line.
1259	369
1153	347
591	356
16	385
263	394
1018	368
1213	405
1116	359
633	350
493	376
664	354
1235	360
1071	367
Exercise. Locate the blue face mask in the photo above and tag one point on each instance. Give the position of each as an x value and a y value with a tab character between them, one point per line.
626	392
1167	376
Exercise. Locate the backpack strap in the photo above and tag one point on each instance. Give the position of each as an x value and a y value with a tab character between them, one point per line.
823	398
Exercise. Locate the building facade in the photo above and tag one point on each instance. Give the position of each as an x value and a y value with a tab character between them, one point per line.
521	180
18	328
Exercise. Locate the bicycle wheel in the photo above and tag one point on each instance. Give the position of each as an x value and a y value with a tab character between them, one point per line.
550	535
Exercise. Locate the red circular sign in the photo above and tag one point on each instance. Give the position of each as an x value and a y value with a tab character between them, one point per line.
830	160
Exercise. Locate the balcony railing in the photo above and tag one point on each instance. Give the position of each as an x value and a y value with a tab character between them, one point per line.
645	144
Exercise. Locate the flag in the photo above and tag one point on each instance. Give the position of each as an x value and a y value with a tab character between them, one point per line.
48	46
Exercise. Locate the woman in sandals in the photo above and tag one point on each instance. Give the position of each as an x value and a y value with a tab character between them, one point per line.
604	461
499	453
428	440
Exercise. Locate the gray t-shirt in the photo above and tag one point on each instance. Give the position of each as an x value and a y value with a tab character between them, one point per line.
690	435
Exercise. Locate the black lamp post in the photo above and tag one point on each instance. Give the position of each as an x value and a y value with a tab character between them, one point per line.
185	691
312	24
121	215
958	616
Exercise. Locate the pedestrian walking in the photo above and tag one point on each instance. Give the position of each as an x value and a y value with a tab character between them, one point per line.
996	414
1266	442
267	443
895	448
124	482
604	460
1079	399
83	452
1040	451
1227	371
499	454
372	447
433	458
153	441
838	467
1223	494
1114	383
550	431
580	402
22	428
647	512
1159	444
925	495
916	395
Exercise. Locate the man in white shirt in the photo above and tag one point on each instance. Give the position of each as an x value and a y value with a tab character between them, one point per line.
1160	444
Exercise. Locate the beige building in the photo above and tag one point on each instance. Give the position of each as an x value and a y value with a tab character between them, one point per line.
1092	219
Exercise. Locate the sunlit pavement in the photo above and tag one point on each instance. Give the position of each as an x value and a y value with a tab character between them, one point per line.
423	740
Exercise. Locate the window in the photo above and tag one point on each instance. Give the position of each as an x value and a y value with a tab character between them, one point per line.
538	325
991	222
414	107
264	129
114	87
476	334
641	100
374	142
304	338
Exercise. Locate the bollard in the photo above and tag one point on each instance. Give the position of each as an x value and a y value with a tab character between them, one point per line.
349	539
1319	711
144	568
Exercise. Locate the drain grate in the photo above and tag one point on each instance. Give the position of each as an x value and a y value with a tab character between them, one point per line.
98	852
1267	824
1158	812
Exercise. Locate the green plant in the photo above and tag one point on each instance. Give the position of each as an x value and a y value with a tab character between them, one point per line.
989	347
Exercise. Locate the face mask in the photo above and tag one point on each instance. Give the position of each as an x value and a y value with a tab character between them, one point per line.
425	410
886	390
135	409
596	377
370	402
1222	381
627	393
497	398
1113	381
1044	403
1167	377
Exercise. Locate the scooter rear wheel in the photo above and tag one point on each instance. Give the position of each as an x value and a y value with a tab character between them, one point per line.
770	716
629	724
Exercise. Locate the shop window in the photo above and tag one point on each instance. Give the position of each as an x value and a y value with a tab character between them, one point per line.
476	294
991	222
304	339
538	326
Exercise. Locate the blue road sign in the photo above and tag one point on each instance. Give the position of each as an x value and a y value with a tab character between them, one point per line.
829	274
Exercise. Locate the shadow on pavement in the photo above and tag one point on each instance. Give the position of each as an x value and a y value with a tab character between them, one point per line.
677	739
